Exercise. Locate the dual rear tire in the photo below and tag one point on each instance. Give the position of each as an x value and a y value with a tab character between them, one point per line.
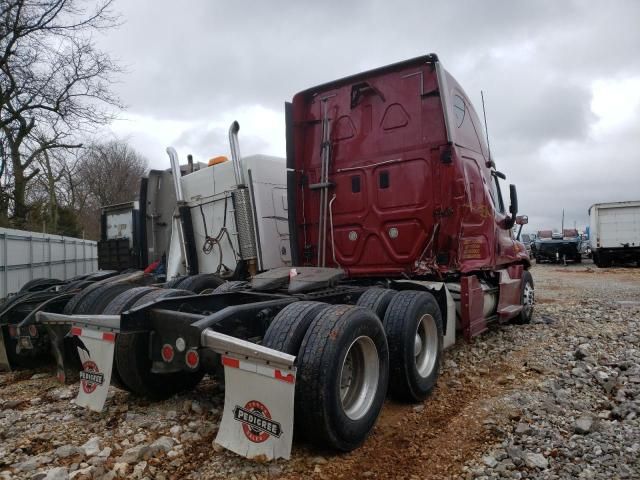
346	356
343	369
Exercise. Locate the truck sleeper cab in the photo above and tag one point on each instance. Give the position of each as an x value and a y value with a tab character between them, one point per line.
399	239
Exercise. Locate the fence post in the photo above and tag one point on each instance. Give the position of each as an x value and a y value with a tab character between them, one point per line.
64	259
49	258
31	257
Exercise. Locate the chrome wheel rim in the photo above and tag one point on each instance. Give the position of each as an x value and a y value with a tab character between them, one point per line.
528	299
359	376
425	345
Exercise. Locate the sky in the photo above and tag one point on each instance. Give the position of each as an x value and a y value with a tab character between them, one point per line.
561	80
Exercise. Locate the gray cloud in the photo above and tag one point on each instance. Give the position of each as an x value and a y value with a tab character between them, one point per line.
536	61
206	143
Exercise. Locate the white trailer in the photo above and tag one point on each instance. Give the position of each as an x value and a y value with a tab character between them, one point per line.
614	234
25	256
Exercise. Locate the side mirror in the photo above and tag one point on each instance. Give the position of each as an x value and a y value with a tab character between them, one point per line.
513	208
513	194
521	220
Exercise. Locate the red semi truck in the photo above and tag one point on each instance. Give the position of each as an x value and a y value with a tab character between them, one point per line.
401	240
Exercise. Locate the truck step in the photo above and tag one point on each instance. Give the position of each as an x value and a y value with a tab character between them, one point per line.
510	311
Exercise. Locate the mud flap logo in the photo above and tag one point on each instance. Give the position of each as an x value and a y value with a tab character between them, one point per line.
95	349
248	427
256	421
90	377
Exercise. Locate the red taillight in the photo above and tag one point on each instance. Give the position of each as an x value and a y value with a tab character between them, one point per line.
167	353
33	330
192	358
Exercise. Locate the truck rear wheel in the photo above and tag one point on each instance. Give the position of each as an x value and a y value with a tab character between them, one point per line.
343	372
413	324
126	299
601	261
377	300
24	359
528	299
100	282
230	285
288	328
118	305
78	297
200	282
98	299
38	284
76	285
13	300
160	293
134	367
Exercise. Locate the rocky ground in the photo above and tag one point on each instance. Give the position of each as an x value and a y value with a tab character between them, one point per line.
559	398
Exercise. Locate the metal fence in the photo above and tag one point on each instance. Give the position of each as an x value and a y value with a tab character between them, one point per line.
28	255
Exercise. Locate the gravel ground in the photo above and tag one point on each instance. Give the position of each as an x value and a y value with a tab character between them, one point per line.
559	398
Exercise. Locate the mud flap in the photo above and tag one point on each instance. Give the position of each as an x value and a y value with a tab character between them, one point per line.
89	350
95	349
257	421
5	366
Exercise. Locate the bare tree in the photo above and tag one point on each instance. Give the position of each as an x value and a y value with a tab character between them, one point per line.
107	173
111	172
54	82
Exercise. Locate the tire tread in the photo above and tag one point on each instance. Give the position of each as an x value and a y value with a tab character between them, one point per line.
395	317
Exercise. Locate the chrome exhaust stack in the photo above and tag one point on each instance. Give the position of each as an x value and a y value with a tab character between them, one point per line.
178	249
175	170
242	205
235	153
